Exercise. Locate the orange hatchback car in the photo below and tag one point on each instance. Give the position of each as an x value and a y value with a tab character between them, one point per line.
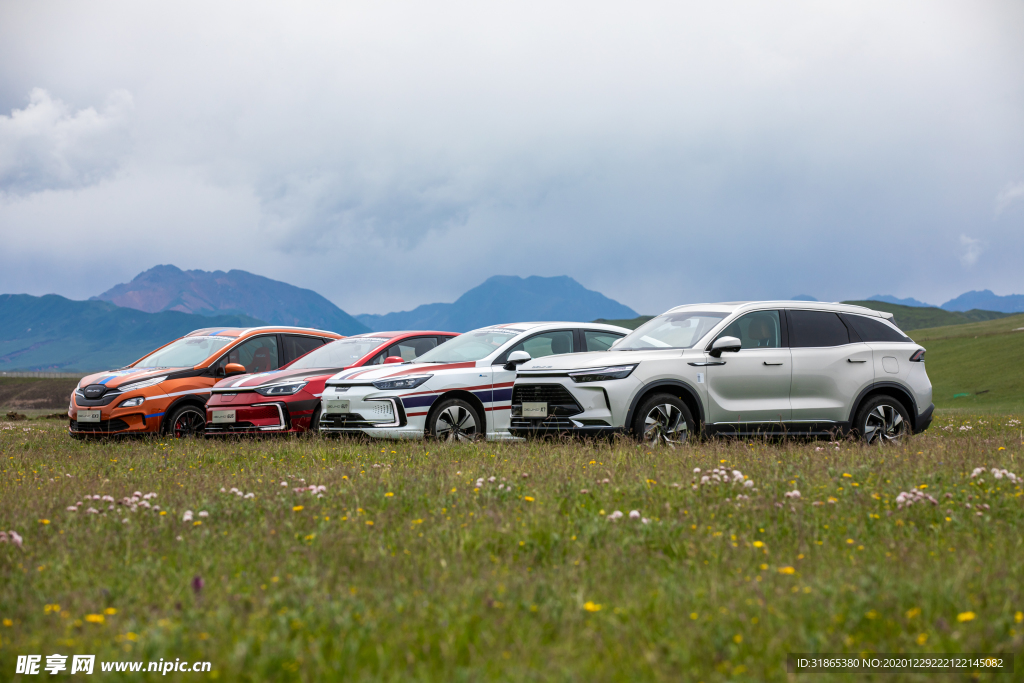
166	392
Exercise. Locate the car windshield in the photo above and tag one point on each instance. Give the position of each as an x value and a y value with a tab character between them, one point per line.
679	330
187	352
339	354
471	346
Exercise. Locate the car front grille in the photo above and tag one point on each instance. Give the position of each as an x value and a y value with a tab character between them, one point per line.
99	427
560	402
345	421
552	423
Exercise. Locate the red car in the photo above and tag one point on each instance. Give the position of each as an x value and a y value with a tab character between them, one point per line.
288	400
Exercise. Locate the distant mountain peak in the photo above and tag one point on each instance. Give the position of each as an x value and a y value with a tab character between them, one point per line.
169	288
987	300
890	299
507	299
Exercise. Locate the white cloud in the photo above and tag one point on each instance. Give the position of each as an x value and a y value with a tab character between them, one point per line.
48	146
1012	193
972	249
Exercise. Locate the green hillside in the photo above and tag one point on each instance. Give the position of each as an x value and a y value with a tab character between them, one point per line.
976	365
53	333
631	323
915	318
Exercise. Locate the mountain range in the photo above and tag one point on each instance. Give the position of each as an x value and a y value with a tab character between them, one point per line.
53	333
168	288
505	299
985	300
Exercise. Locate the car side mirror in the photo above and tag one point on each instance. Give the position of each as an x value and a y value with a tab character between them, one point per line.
393	359
516	358
234	369
730	344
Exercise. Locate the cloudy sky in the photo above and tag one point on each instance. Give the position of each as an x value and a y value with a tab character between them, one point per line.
389	154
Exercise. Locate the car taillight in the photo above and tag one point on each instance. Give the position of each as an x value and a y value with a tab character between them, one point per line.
918	356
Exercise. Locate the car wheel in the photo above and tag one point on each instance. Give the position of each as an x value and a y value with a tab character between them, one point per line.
883	420
456	420
314	422
187	421
663	420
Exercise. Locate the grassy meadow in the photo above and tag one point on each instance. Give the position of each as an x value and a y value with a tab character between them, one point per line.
405	566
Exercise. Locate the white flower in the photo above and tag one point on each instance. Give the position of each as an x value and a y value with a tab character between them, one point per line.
705	479
187	517
124	521
696	470
793	494
92	511
15	538
491	479
748	483
615	515
284	483
250	495
645	521
72	508
634	514
204	513
223	490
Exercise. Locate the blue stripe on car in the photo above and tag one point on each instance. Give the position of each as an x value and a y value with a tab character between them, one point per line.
154	415
501	395
418	401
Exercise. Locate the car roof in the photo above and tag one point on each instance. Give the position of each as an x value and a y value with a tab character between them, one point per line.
402	333
534	326
238	332
740	306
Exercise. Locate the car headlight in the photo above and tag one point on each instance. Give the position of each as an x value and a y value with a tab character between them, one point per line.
281	389
141	385
602	374
132	402
410	382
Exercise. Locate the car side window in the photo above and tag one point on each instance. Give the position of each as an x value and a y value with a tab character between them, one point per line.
258	354
599	340
816	329
873	329
411	349
757	330
296	346
546	344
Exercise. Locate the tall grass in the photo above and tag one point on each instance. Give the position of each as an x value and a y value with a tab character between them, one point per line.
406	569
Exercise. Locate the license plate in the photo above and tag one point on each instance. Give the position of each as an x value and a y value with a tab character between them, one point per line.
535	410
336	405
88	416
222	416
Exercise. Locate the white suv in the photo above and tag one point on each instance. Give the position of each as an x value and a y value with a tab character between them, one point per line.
735	368
459	391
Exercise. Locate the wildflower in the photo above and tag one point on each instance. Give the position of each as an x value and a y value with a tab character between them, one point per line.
389	494
758	544
793	494
922	639
197	584
591	606
634	514
1018	617
615	515
15	538
204	513
44	521
528	499
250	495
696	470
787	570
965	616
95	618
298	508
110	610
187	517
72	508
92	511
284	483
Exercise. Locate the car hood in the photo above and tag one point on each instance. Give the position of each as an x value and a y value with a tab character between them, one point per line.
364	375
116	378
261	379
595	359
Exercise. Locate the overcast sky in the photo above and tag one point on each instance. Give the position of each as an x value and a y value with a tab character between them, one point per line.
390	154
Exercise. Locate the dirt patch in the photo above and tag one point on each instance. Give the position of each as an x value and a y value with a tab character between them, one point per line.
38	394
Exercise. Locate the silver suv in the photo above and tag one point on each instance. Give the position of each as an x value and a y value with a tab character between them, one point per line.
750	368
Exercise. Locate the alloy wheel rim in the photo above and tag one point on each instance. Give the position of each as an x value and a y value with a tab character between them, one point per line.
884	424
455	423
189	423
665	424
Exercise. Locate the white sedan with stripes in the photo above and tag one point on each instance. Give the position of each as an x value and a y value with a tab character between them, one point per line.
459	391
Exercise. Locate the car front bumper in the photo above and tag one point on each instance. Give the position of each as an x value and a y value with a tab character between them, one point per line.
371	412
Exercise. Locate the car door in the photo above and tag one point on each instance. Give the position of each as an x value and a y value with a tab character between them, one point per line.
750	388
829	370
258	354
538	345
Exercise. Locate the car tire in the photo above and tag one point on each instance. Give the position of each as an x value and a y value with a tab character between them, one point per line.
455	420
314	422
188	420
882	420
664	420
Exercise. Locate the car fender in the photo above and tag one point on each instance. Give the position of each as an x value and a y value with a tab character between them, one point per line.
900	388
649	388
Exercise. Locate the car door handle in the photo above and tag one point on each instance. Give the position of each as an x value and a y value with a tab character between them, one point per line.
705	363
767	363
856	360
